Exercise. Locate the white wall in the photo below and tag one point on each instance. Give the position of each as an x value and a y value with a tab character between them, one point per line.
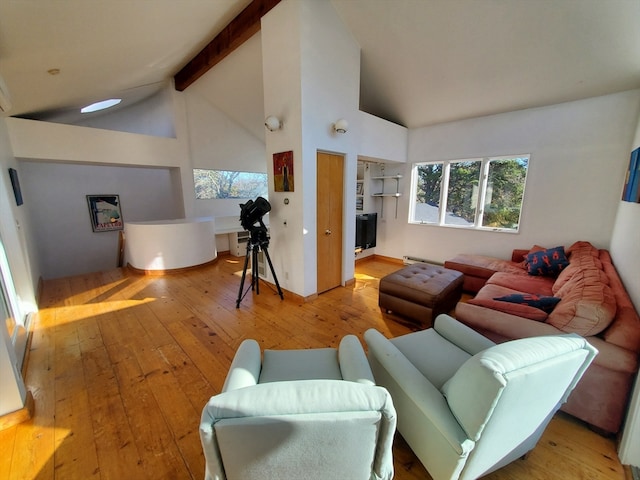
150	116
111	153
311	79
380	140
579	152
55	196
625	252
14	232
216	142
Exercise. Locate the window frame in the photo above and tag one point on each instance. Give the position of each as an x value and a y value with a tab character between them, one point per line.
485	163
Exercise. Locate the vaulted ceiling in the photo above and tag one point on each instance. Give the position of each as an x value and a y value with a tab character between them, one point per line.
423	61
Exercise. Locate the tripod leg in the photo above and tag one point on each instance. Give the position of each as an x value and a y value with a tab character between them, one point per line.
244	274
266	254
254	271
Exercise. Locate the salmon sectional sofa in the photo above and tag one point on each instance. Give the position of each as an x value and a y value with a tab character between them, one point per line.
553	291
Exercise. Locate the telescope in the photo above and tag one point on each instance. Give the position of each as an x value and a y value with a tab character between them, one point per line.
251	214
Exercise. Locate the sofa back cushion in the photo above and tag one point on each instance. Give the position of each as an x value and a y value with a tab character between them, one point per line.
588	305
582	255
625	328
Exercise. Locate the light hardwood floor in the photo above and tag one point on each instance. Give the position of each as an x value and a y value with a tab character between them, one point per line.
121	364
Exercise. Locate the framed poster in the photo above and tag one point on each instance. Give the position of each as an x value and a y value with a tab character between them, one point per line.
105	212
283	171
631	190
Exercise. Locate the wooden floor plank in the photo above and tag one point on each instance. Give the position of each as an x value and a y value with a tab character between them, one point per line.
121	365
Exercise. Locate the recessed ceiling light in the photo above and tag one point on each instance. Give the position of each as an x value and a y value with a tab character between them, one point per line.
94	107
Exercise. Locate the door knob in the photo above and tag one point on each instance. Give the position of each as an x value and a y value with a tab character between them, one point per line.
327	231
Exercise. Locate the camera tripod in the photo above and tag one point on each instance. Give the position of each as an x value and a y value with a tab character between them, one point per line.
258	241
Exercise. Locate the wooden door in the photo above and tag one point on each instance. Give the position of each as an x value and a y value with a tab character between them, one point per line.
330	184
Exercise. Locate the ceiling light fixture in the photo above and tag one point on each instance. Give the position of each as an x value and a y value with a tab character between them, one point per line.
272	123
94	107
341	126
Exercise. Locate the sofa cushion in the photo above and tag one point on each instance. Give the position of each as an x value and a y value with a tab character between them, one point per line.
582	248
548	262
588	304
543	302
523	283
624	331
486	295
581	255
482	266
520	310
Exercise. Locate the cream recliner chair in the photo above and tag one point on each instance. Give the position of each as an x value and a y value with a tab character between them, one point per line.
299	414
467	406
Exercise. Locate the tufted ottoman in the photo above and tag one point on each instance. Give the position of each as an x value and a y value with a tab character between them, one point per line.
421	292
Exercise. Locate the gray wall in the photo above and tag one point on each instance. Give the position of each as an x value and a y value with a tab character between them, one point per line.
55	196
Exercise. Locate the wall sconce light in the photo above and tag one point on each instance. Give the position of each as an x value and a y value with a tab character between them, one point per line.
272	123
341	126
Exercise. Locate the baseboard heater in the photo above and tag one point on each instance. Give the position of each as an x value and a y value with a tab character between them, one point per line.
408	260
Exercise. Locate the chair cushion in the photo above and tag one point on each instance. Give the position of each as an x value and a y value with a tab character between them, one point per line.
434	356
302	364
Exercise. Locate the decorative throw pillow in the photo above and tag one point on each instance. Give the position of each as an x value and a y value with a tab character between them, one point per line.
548	262
517	309
542	302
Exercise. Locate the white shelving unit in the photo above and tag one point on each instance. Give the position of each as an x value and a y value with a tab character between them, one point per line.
360	195
385	193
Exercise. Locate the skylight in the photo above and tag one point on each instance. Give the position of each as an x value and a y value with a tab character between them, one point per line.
94	107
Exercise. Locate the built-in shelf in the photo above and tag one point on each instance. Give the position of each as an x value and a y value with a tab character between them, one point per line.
387	177
383	193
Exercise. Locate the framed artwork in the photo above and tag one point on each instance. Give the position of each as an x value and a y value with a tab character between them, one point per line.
631	191
15	184
283	171
105	212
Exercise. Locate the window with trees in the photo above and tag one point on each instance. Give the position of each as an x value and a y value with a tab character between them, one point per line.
211	184
482	193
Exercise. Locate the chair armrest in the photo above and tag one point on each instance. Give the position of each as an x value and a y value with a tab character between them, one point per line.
245	368
353	361
461	335
423	394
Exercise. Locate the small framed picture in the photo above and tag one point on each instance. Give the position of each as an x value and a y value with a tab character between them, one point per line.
105	212
15	184
283	171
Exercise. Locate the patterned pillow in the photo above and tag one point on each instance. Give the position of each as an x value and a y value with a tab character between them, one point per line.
542	302
548	262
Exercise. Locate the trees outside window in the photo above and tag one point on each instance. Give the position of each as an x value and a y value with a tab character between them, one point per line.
229	184
482	193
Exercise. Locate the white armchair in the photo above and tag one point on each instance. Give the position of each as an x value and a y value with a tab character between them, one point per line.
466	406
312	414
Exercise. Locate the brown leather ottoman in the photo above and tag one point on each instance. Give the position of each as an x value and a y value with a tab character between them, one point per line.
421	292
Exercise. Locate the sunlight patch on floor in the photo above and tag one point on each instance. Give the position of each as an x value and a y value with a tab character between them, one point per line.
70	314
